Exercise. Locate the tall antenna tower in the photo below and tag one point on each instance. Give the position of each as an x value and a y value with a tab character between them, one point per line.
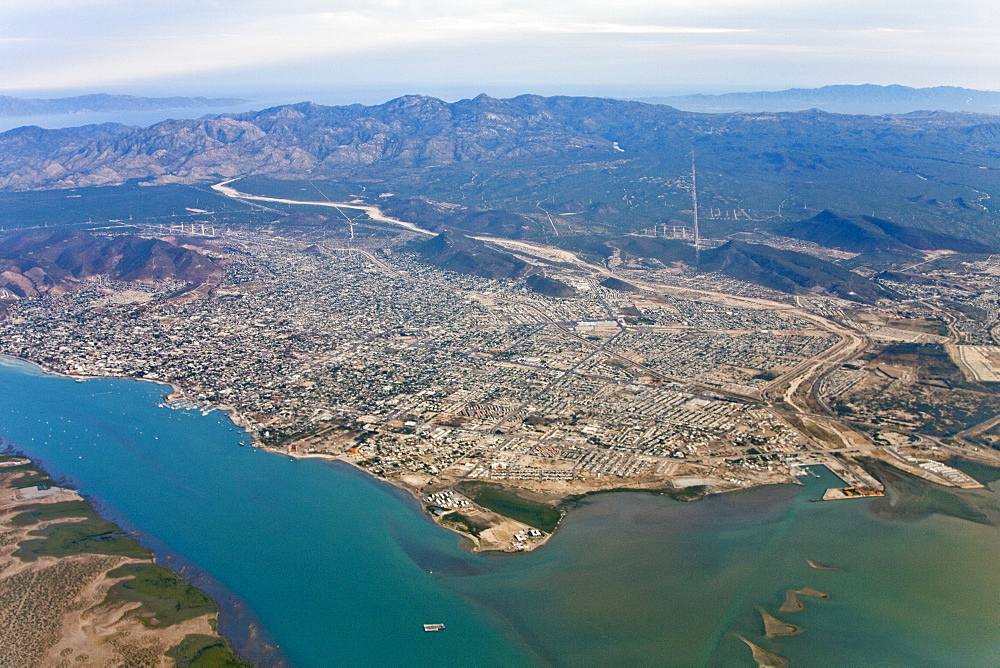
694	208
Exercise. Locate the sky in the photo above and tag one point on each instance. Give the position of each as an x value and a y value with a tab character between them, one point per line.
382	48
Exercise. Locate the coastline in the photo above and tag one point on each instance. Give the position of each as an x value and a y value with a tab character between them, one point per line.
485	529
88	591
236	622
485	532
477	542
565	504
175	389
176	392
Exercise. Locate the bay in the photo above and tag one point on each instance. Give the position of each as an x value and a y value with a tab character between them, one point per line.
341	569
313	549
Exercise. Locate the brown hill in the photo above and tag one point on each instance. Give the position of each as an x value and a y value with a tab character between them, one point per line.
37	261
550	287
464	255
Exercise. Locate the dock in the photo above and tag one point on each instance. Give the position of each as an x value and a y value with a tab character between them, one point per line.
837	493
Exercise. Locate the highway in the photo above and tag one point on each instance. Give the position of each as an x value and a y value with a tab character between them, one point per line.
374	213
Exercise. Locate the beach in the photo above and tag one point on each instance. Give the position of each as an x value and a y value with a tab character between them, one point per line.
67	603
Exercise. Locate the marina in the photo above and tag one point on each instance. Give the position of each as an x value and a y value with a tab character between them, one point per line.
188	405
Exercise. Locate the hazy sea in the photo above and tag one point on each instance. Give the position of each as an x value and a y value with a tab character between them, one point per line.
140	118
338	568
368	95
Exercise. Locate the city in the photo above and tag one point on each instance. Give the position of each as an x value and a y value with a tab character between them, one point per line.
432	380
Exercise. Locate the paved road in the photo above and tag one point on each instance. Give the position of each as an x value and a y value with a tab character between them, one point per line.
374	213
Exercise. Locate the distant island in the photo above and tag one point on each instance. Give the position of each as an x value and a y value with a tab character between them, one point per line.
843	99
103	102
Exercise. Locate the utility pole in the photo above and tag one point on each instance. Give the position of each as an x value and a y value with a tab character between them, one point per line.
694	207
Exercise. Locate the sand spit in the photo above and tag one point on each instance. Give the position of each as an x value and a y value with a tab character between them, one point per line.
774	627
764	658
792	602
56	610
487	531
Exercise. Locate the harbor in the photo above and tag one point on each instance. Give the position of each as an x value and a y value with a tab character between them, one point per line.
858	484
184	404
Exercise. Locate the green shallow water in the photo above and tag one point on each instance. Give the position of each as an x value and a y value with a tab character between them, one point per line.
340	569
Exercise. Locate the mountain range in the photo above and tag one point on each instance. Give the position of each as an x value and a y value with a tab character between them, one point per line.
416	132
537	167
842	99
584	174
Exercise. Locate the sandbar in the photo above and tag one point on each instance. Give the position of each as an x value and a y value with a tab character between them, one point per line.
764	658
792	602
774	627
61	600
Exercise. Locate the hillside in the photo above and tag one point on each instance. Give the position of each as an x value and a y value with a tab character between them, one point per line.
438	216
465	255
550	287
867	234
39	261
613	283
667	251
843	99
790	272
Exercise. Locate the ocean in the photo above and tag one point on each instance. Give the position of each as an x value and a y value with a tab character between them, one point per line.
332	567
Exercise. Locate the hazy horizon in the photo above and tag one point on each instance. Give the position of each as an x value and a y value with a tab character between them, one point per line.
451	49
381	94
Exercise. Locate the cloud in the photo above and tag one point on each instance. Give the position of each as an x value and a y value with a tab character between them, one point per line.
623	29
81	43
125	49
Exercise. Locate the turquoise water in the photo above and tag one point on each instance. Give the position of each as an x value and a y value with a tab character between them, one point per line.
340	569
313	549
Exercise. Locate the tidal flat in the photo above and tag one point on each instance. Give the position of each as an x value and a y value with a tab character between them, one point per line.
74	589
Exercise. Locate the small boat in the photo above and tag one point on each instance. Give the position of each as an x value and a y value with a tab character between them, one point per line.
433	627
